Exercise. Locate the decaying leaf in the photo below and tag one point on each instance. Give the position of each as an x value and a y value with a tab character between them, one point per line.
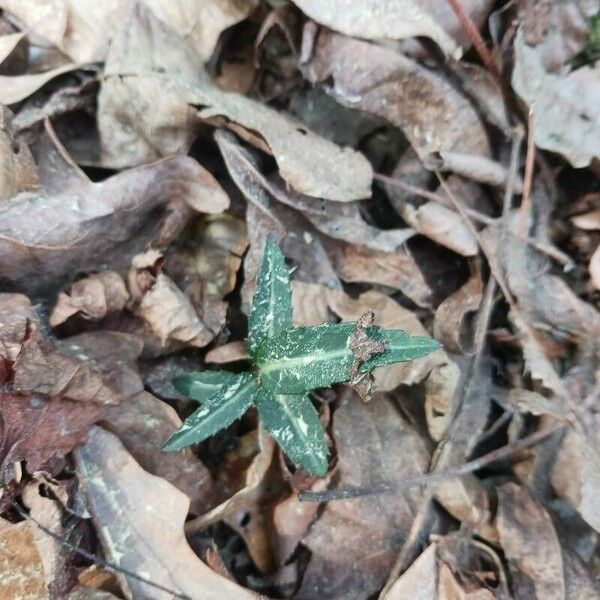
397	270
41	431
530	544
171	315
451	324
140	420
309	163
82	29
432	115
378	20
140	522
551	97
18	172
93	297
374	444
21	569
45	238
419	581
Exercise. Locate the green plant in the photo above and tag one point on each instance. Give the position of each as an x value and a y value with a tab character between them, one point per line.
289	362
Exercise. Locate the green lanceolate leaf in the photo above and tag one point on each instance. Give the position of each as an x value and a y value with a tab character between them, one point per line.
272	303
229	404
204	386
294	424
303	358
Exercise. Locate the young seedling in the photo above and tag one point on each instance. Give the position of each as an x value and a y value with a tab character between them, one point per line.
288	363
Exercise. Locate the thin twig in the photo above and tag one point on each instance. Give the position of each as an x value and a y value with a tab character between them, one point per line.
109	566
476	39
435	477
558	255
528	179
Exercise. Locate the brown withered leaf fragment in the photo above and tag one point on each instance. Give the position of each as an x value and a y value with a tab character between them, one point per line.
227	353
45	238
93	297
438	222
374	444
21	569
40	368
18	172
140	521
594	267
18	321
431	113
575	475
363	347
82	29
147	48
419	581
171	314
378	20
309	301
41	431
142	421
551	97
397	270
48	511
530	544
451	324
247	509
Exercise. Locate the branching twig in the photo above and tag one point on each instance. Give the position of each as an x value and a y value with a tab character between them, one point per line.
431	478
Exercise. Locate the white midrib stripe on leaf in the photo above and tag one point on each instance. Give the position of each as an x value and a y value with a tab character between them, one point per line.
301	361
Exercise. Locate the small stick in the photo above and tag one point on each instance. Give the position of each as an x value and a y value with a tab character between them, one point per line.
435	477
528	180
476	39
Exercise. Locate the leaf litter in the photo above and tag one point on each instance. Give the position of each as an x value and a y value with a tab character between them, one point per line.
148	150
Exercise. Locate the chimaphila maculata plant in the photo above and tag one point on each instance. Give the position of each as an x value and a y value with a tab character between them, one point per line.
289	362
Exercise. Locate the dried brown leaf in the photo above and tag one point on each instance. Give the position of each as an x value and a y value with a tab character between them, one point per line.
21	569
140	522
355	542
594	267
419	581
551	97
18	172
41	431
14	88
530	544
378	20
141	421
451	325
397	270
45	238
227	353
93	297
431	113
82	28
171	314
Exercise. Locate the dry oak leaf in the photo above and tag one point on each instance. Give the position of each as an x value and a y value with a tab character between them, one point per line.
46	237
133	81
82	28
140	520
374	444
431	113
171	314
18	172
378	20
530	544
565	108
21	569
93	297
41	431
419	581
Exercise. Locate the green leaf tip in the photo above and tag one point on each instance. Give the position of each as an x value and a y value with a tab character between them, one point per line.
301	359
271	310
294	424
229	404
